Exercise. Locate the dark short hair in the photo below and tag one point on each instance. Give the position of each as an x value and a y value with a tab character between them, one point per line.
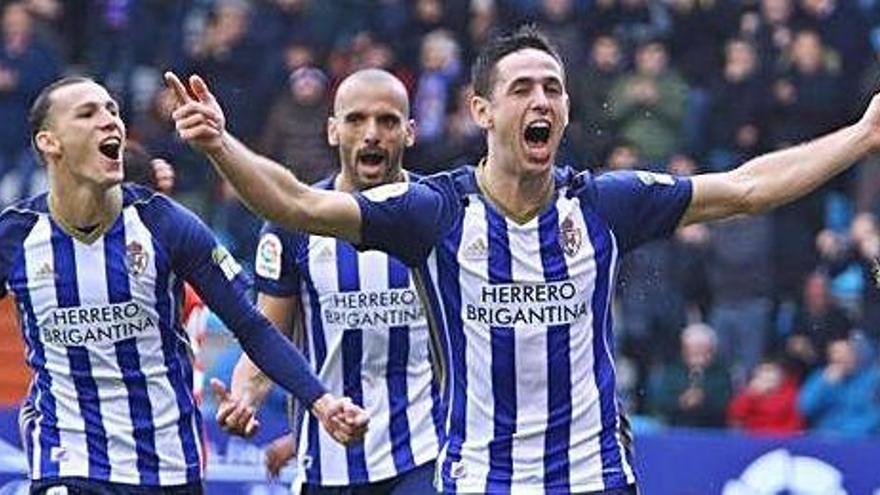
138	165
525	36
43	102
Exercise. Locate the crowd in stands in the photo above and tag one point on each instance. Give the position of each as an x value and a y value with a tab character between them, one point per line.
769	324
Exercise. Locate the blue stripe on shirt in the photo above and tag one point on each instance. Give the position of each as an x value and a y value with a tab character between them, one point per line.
319	343
603	369
128	358
166	306
456	374
140	410
503	342
559	408
67	295
347	272
44	401
396	375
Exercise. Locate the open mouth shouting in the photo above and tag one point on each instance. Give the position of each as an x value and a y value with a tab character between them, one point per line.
536	137
111	147
372	158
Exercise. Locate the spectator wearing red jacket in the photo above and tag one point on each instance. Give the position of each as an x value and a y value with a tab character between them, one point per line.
768	404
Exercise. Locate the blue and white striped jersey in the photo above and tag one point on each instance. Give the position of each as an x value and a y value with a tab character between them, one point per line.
111	397
524	319
368	339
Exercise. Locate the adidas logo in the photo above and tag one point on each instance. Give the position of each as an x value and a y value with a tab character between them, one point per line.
476	250
45	271
325	254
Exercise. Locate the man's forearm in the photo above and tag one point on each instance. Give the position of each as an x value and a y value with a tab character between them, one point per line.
250	383
783	176
265	186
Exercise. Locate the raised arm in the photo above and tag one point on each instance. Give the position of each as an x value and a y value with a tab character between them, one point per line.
266	187
783	176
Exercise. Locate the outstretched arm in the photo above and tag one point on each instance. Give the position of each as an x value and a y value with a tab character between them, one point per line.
783	176
266	187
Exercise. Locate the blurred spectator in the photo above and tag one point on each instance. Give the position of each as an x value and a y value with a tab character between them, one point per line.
807	98
694	391
699	28
464	138
818	321
739	268
768	404
632	22
771	30
844	29
736	107
143	169
295	134
26	65
844	396
380	55
194	181
436	89
648	105
862	249
480	26
592	129
559	21
228	60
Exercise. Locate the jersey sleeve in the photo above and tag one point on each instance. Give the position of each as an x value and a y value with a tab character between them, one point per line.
406	219
640	206
219	280
276	269
14	226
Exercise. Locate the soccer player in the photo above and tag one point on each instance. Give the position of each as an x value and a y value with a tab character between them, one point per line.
366	329
97	271
517	257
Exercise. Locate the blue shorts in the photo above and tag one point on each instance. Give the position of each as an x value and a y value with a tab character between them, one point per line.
84	486
417	481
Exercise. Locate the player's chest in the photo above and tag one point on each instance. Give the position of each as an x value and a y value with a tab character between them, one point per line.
58	272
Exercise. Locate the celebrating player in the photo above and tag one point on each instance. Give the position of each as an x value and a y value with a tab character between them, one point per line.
97	271
367	331
516	259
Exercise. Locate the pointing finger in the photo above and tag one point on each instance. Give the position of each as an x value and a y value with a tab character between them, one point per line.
200	88
173	82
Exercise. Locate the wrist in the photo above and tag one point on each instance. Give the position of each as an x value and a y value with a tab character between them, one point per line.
321	405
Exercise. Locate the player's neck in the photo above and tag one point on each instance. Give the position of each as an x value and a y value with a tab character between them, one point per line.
84	211
520	197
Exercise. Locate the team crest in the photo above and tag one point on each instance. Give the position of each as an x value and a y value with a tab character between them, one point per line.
136	258
570	237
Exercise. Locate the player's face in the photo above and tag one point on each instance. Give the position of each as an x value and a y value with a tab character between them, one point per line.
528	110
372	130
85	134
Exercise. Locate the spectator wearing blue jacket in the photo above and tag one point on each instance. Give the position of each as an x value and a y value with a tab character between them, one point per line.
843	397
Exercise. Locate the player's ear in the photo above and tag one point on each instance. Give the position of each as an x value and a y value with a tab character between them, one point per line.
480	112
410	130
332	132
46	143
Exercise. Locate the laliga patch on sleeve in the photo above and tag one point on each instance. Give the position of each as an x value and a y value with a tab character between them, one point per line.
386	192
651	178
268	263
226	262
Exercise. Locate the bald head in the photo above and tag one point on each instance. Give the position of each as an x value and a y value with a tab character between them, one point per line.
375	80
